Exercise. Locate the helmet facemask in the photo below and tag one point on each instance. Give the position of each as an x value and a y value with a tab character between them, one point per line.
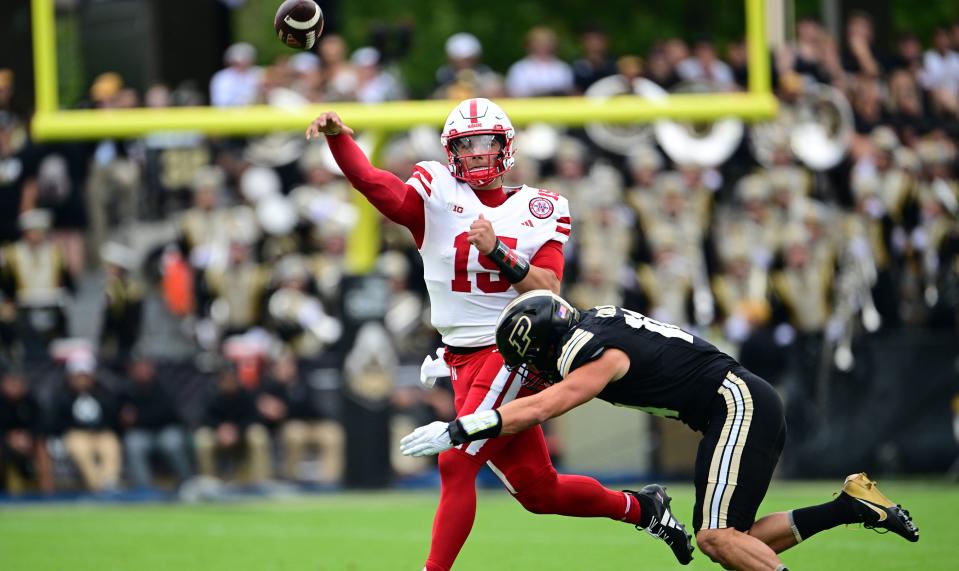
478	158
532	379
539	370
530	339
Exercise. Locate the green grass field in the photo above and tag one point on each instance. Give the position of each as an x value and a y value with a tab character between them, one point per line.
390	531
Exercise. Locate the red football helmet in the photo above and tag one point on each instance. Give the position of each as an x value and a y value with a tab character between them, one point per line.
478	128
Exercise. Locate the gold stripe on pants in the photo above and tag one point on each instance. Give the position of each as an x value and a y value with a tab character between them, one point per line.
724	466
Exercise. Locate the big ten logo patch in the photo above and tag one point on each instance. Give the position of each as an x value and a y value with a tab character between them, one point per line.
541	207
454	208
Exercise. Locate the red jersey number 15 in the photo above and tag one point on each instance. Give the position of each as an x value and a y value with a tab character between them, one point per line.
484	281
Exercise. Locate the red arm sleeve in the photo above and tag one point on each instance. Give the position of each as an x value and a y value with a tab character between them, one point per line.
385	191
550	257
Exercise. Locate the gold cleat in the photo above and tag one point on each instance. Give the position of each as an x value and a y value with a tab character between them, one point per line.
875	510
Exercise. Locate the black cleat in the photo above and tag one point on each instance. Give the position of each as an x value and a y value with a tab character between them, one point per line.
875	510
663	525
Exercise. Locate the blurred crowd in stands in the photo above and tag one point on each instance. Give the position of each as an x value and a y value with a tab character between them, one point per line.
167	301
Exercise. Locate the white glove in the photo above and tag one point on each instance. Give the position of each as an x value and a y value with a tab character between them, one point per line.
433	369
427	440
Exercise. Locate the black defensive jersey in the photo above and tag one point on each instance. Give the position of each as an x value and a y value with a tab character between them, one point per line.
672	373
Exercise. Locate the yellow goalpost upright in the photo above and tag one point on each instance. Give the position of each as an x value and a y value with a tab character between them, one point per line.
50	123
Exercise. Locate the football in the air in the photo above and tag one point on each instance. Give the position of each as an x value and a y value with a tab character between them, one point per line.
298	23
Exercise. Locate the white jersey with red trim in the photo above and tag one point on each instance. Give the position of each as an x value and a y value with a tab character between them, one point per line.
466	290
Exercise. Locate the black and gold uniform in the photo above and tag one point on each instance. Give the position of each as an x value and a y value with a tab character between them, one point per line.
675	374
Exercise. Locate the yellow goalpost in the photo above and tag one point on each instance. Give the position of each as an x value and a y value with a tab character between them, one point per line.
50	123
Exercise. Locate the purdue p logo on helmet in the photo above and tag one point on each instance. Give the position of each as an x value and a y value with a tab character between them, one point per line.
530	329
519	338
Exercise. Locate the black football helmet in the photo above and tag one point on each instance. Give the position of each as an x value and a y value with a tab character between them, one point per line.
529	332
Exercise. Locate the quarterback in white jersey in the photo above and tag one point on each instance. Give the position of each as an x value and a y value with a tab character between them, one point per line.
482	245
467	292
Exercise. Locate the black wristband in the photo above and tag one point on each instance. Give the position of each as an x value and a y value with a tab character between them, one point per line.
511	266
476	426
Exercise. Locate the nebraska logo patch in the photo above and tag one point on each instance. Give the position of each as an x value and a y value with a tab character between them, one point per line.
541	207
